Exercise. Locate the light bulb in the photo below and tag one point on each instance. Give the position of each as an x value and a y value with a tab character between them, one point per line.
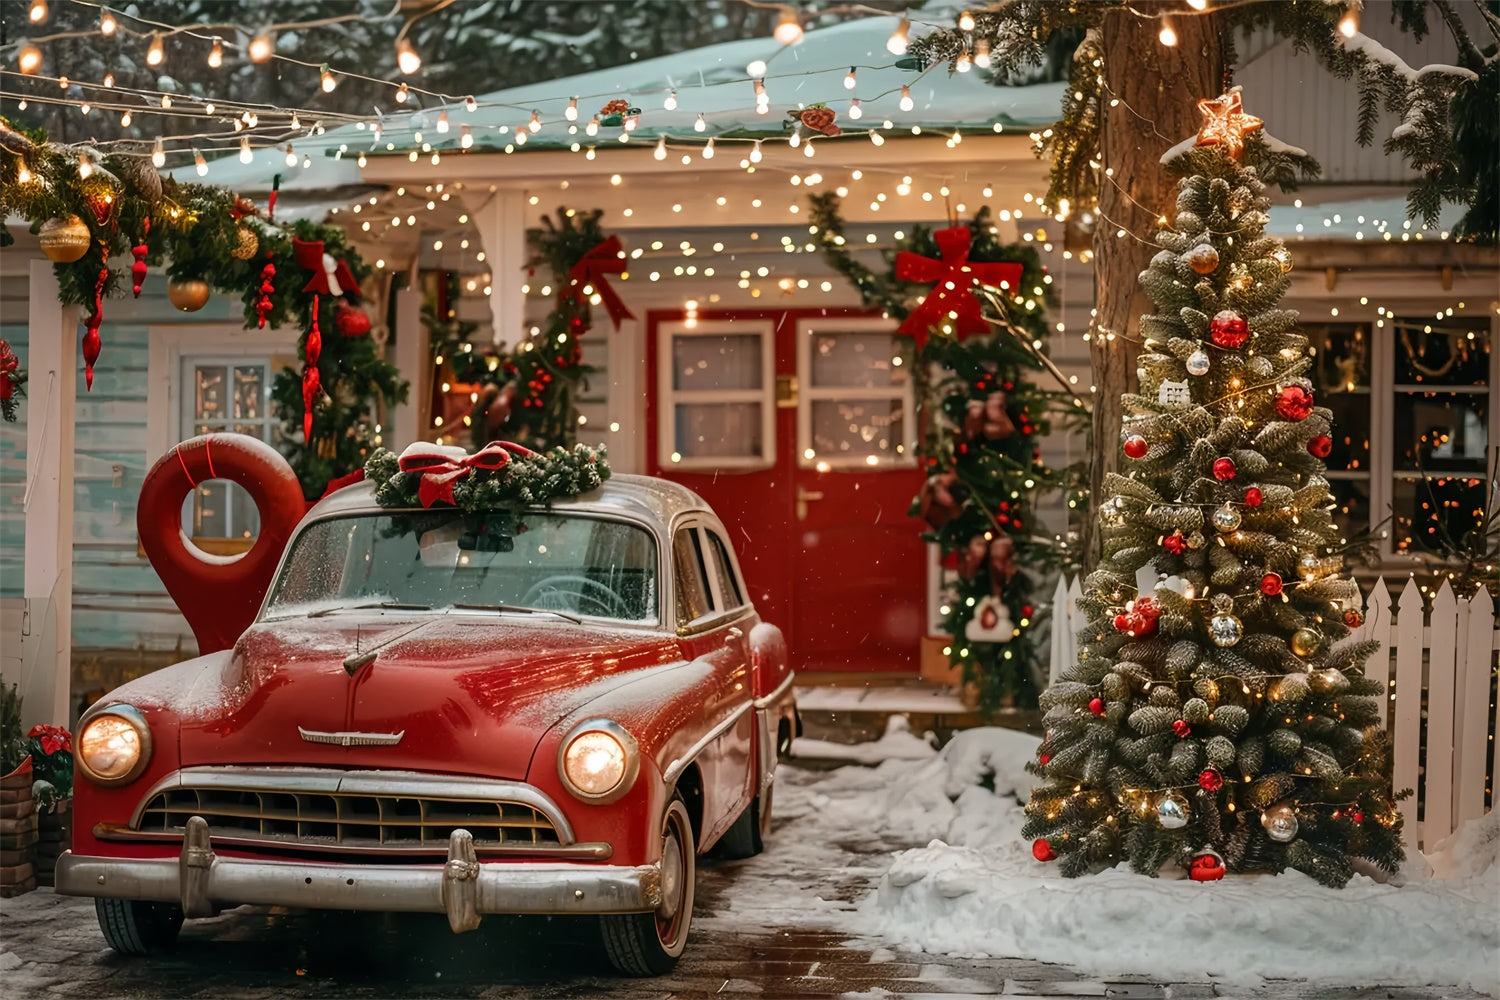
402	93
671	101
571	111
245	155
849	81
29	59
794	140
158	155
897	43
755	68
107	23
23	176
592	128
407	59
755	153
326	80
166	100
1167	36
465	138
261	48
1198	4
361	162
85	168
788	27
906	101
200	164
291	156
471	105
1349	23
854	109
982	53
877	138
126	119
661	148
630	123
708	150
700	125
296	122
442	122
156	54
109	79
85	108
536	122
38	11
216	55
963	63
966	21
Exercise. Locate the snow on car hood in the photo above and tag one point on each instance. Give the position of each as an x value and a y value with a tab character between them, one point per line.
469	694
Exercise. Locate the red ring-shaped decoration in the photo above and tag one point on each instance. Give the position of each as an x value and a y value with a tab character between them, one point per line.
218	595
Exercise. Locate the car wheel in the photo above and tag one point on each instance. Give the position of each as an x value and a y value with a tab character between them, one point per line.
743	839
649	944
763	817
135	926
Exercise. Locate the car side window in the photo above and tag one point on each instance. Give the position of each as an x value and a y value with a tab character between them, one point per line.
693	600
729	584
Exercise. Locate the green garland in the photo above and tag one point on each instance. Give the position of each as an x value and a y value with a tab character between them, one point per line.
525	481
201	230
979	450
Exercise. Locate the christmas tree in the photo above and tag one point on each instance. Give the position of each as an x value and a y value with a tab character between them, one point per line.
1221	719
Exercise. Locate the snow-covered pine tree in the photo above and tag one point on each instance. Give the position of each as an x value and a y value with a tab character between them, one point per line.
1221	720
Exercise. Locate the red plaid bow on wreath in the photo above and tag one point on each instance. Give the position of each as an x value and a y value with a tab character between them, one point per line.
440	472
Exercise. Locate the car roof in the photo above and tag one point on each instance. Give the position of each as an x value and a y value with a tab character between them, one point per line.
647	498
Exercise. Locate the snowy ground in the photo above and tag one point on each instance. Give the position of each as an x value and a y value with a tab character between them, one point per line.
954	877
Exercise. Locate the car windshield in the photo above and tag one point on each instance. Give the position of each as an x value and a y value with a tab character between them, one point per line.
451	559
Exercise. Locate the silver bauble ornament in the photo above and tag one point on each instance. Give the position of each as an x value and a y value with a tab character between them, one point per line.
1198	363
1226	518
1280	823
1196	540
1225	630
1172	811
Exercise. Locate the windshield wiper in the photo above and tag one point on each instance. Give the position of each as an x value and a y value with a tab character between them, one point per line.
518	608
394	605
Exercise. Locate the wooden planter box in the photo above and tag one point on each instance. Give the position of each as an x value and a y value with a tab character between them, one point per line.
54	835
18	826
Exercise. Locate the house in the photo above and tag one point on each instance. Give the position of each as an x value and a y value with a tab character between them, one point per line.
750	371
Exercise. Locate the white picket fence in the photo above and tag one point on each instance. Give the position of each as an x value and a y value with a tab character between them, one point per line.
1438	670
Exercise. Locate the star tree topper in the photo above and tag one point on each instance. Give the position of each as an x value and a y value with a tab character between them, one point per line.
1226	123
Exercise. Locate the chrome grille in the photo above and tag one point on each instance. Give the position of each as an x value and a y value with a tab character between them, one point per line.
369	812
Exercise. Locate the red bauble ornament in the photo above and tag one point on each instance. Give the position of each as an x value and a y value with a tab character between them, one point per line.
1353	619
1294	403
1320	446
1174	543
1042	760
1224	468
1228	329
1210	780
1206	868
351	321
1270	584
1042	850
138	269
1122	622
1358	817
1182	729
1096	705
1254	497
1136	446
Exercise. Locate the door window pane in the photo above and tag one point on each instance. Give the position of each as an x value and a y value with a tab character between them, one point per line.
716	397
713	361
858	428
229	396
856	360
853	411
717	430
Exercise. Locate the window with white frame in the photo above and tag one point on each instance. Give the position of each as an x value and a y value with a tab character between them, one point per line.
1413	428
716	387
855	409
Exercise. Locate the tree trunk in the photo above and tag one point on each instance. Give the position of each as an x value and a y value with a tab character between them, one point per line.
1158	88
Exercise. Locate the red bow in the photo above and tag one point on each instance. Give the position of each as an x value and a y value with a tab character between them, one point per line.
606	258
953	276
440	472
331	277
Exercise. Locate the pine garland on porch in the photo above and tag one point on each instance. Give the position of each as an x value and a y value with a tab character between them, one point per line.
982	416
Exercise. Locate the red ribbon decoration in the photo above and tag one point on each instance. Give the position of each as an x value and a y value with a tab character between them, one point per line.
92	345
330	277
312	381
953	277
10	367
591	269
440	472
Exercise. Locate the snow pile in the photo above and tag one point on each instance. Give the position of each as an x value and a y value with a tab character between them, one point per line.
976	890
898	743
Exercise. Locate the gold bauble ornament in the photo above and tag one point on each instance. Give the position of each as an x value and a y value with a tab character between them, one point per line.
1203	259
65	239
248	246
1305	642
189	295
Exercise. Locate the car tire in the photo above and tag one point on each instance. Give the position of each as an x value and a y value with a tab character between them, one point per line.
649	944
137	927
743	839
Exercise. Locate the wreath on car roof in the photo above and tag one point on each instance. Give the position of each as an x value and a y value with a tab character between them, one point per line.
500	475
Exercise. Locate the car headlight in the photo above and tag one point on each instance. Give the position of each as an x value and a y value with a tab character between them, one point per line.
114	746
598	761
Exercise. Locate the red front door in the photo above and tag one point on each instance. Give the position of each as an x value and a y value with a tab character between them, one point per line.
799	429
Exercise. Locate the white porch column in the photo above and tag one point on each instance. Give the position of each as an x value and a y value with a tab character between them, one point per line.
627	394
500	218
51	392
411	357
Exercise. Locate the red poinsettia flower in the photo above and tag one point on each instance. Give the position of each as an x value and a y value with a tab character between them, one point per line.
52	738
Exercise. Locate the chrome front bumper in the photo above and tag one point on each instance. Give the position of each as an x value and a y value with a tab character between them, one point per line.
203	883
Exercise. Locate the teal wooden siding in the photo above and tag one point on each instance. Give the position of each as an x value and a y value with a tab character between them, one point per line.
13	282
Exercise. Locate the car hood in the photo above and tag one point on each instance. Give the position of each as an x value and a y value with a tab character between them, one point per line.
454	693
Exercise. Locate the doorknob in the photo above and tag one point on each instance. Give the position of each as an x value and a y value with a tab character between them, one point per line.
803	496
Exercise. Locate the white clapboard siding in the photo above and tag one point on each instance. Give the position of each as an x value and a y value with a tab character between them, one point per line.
1436	666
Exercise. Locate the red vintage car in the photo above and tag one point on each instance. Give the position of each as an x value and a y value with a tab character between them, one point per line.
551	710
